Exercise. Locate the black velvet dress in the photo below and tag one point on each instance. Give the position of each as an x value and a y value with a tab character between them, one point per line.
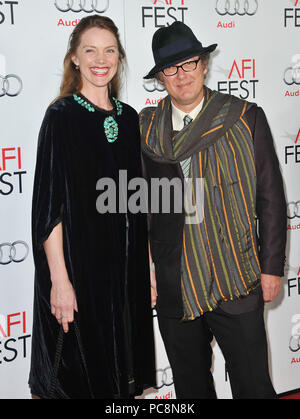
107	263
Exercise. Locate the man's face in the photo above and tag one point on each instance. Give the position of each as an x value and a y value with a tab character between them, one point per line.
186	88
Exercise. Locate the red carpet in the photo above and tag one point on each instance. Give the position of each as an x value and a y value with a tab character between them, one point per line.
291	396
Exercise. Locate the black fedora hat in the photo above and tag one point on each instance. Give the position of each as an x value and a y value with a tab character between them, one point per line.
173	44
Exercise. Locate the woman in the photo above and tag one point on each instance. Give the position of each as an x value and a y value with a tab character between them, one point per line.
92	273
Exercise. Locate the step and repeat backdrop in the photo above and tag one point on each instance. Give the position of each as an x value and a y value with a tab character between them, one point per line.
258	59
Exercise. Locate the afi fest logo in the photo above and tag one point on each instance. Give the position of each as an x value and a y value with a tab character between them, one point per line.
294	343
11	85
292	14
291	77
240	79
7	11
292	152
163	13
13	337
11	173
233	9
293	284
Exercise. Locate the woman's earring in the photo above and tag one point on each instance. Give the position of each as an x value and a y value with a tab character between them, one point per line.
77	67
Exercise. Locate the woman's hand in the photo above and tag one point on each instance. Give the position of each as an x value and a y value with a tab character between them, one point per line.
62	297
63	300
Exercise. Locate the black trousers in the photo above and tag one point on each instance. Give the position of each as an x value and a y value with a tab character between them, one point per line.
242	340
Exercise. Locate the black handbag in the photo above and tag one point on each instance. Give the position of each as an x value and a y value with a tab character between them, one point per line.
57	361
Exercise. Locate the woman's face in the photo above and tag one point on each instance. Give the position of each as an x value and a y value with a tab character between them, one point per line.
97	57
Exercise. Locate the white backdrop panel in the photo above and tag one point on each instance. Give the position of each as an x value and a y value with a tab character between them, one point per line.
258	58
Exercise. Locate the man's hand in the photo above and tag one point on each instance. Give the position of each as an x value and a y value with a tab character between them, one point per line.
271	286
153	285
152	278
153	288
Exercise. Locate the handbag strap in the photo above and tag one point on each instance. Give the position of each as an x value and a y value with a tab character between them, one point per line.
77	332
57	361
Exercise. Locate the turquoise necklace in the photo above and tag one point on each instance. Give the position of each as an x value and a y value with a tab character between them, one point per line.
111	128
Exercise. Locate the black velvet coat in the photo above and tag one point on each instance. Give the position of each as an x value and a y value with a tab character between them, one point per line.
113	291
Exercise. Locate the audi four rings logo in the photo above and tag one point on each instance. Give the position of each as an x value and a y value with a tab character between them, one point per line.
164	378
293	210
153	85
88	6
10	85
236	7
295	343
13	252
292	76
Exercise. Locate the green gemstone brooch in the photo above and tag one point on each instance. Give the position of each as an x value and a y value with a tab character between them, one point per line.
111	128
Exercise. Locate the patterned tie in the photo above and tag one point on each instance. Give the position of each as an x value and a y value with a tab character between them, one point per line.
185	164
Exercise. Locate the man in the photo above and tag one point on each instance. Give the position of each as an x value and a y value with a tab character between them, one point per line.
214	274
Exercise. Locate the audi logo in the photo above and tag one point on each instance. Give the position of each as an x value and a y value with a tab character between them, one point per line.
13	252
292	76
10	85
153	85
293	210
295	343
164	378
88	6
236	7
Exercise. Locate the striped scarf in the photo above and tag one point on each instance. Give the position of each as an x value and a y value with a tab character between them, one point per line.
219	258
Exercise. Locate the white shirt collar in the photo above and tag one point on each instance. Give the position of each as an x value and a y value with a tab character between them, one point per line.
178	115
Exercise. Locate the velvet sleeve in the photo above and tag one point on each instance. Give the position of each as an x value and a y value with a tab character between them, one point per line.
270	196
47	205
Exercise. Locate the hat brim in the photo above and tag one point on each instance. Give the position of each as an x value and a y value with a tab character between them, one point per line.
177	58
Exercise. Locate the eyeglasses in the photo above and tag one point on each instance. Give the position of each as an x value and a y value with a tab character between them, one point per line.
187	67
